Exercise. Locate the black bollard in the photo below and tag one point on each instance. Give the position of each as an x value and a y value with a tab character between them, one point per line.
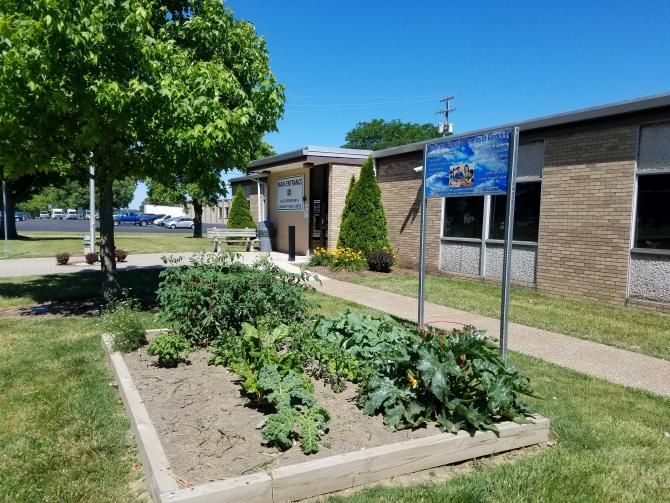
291	243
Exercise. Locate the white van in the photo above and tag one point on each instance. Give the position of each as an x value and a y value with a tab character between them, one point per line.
71	214
44	214
57	213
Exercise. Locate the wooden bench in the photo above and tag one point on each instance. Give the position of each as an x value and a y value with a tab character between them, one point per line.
232	236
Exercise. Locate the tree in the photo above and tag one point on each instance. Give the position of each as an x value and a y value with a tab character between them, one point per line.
379	134
140	88
347	208
364	228
240	212
158	193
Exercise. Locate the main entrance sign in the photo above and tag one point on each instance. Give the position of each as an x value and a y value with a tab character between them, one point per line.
290	193
469	166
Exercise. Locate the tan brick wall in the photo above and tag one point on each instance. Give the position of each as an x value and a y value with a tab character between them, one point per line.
338	186
401	196
585	214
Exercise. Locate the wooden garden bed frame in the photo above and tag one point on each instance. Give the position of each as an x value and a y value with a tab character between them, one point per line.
321	476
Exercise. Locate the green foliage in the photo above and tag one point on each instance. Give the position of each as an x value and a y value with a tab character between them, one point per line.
346	209
122	319
380	260
379	134
158	193
455	378
297	412
364	229
217	293
240	213
170	348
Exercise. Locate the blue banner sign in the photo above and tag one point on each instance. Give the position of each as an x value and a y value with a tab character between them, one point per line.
469	166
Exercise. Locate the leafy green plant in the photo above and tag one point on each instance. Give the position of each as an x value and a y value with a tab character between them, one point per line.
170	348
122	320
217	294
297	412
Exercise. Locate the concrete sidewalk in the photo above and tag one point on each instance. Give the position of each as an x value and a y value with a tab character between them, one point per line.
48	265
616	365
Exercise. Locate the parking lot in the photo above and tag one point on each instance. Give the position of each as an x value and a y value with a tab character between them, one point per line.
48	225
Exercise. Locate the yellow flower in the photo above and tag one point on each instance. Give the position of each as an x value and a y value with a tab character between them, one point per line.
412	380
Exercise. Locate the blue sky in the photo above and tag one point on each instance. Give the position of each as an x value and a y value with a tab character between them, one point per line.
345	62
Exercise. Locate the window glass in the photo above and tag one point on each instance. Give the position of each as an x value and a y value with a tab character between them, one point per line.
531	160
653	212
526	213
463	217
654	153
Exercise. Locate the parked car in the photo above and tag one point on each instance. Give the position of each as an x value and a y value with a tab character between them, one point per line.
57	213
44	214
71	214
181	223
20	216
163	220
134	218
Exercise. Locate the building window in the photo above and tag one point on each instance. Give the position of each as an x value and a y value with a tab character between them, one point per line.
526	213
652	229
463	217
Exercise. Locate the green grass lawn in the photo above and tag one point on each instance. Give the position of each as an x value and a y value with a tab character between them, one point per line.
65	436
48	244
632	329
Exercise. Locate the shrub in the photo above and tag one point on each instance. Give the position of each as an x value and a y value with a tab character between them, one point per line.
170	348
240	213
380	260
120	255
122	320
342	259
62	258
91	258
364	227
217	294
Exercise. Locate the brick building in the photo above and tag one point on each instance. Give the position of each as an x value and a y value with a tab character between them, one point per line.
592	209
592	213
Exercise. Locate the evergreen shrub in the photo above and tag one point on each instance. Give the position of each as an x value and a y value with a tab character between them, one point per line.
240	212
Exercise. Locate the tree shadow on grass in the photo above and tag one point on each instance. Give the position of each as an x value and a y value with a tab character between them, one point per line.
77	294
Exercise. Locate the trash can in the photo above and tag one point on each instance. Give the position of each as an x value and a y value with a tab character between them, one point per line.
265	235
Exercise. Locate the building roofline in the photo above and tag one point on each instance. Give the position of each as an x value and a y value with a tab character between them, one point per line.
584	114
251	176
310	151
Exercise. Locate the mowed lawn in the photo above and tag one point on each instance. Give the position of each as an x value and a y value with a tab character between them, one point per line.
48	244
65	436
626	328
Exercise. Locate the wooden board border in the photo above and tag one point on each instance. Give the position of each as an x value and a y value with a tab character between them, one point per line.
321	476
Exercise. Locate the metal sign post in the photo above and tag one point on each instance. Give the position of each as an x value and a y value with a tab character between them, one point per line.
509	235
475	164
422	247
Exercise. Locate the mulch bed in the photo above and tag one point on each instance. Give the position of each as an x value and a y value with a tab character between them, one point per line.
348	276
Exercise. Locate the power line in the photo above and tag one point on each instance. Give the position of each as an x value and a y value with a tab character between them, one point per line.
446	128
362	97
335	108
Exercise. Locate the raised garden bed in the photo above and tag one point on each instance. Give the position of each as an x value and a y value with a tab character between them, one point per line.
199	443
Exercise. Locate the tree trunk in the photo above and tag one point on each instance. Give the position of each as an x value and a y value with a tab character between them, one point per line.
110	282
197	219
11	216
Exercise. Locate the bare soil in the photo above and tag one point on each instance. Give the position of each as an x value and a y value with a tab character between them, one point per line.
209	433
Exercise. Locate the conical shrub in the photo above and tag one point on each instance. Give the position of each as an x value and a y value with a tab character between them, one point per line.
240	212
364	227
346	209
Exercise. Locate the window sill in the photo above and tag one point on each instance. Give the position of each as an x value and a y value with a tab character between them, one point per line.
650	251
514	243
460	240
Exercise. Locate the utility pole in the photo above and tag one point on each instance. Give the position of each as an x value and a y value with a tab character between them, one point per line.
446	128
4	217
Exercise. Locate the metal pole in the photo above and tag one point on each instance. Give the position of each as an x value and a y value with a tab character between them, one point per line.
509	235
91	208
4	217
258	192
422	247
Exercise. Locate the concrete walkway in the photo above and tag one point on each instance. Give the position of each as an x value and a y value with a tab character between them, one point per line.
48	265
616	365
